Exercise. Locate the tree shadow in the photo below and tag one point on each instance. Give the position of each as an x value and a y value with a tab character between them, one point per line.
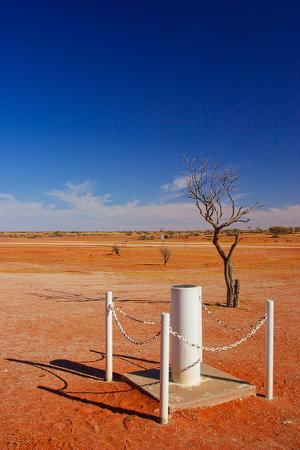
148	264
216	305
130	300
62	296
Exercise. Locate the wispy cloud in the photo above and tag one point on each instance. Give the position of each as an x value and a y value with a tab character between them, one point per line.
177	184
79	196
78	208
12	208
173	190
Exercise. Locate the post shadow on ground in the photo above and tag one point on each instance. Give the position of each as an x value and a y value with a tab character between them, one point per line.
80	369
75	368
126	357
114	409
66	366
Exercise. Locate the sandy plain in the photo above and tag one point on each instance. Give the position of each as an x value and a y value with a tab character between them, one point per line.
53	393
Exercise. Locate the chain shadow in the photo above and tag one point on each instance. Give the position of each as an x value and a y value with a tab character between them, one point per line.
66	366
70	367
113	409
41	366
82	370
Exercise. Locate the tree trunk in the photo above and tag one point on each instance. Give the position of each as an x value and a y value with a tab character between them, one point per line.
236	302
227	265
229	282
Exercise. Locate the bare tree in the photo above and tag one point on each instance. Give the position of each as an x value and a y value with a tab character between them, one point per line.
210	188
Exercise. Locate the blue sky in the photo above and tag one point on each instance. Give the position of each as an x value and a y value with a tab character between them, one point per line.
100	100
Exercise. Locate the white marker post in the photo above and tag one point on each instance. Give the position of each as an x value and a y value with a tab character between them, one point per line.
200	324
269	350
186	319
164	368
108	330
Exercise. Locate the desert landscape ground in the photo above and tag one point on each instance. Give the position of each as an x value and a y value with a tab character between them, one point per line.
52	340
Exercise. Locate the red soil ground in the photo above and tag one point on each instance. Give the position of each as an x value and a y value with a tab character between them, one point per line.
53	394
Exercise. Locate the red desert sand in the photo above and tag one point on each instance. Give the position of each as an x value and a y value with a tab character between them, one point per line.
52	334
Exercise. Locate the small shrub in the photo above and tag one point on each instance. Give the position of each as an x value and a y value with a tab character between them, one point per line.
166	253
57	233
143	237
115	249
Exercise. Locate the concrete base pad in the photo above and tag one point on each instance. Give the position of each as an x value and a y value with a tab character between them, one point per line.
215	387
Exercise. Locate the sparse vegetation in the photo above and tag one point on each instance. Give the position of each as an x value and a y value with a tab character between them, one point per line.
143	237
277	230
232	231
116	250
166	253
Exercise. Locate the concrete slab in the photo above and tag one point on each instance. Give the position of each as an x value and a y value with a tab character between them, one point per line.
216	387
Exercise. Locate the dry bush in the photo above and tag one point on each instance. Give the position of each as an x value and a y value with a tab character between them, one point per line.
166	253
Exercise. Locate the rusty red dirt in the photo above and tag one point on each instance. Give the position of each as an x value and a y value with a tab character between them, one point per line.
52	340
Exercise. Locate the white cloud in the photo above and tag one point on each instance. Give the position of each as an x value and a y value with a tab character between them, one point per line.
287	216
79	196
171	191
11	208
239	196
83	210
177	184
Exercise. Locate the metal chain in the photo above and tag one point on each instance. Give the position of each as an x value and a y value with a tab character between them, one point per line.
227	326
133	318
111	308
226	347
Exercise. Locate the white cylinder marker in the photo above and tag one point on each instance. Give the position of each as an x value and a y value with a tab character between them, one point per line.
186	321
164	368
108	340
269	349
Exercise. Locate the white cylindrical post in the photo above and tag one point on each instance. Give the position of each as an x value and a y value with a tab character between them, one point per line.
185	320
269	350
108	330
200	323
164	368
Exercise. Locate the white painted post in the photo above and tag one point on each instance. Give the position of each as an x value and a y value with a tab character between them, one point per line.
200	325
164	368
108	333
269	350
185	320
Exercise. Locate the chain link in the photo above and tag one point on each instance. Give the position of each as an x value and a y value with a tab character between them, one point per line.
227	326
226	347
133	318
112	309
257	325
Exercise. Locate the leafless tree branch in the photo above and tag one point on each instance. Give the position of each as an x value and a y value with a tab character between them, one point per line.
209	187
